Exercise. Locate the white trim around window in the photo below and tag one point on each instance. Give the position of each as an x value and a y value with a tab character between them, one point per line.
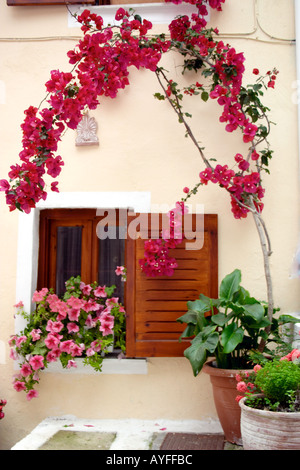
28	248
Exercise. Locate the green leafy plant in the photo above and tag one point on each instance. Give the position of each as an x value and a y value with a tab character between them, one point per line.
275	386
229	327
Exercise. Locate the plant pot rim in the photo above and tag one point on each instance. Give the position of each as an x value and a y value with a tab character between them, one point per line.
277	414
211	368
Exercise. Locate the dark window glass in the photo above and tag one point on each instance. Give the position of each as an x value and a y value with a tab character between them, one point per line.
68	255
111	255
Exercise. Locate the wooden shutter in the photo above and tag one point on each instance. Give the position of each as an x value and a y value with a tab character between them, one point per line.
154	304
49	2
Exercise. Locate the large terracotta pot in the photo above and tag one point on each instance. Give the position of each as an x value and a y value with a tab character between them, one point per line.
269	430
224	391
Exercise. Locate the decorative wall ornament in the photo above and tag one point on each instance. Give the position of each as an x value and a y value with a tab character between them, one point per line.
86	131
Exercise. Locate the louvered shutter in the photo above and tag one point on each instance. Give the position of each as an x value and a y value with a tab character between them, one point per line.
154	303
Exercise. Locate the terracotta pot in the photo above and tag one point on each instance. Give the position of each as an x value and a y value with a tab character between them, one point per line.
224	391
269	430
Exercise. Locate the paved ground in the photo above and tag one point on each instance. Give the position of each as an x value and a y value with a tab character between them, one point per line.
71	433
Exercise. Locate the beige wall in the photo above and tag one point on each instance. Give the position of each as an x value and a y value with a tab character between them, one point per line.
140	143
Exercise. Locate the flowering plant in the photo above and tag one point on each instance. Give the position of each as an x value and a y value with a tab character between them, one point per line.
157	260
230	327
2	404
100	67
82	323
273	386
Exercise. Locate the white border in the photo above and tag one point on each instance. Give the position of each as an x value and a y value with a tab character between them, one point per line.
28	243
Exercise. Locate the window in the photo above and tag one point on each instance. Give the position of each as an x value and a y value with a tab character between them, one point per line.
72	243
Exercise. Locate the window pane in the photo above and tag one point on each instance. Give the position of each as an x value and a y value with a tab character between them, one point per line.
68	255
111	255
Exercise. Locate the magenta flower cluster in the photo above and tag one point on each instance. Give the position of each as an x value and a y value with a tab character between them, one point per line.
101	63
158	260
81	324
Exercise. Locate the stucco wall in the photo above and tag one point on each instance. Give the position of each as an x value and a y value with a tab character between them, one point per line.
143	148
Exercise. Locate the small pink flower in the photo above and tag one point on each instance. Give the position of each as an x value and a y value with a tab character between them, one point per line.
25	370
19	305
100	292
38	296
71	363
73	314
32	394
238	398
241	386
120	270
19	386
256	367
65	346
51	341
72	327
186	190
20	340
54	326
35	334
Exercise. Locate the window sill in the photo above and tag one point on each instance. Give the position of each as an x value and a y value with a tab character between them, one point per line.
109	366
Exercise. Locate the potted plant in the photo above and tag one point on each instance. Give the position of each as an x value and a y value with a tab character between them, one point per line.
270	409
83	323
229	328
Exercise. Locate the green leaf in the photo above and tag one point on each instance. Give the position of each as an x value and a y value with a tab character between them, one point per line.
219	319
231	337
288	319
204	96
198	305
197	357
197	353
189	317
230	285
255	311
